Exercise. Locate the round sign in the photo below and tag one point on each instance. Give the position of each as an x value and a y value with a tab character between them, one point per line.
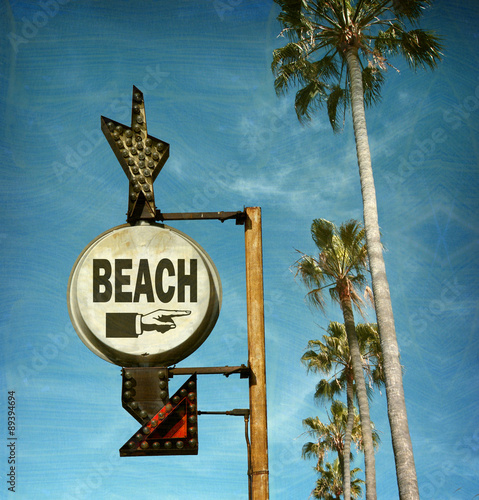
143	295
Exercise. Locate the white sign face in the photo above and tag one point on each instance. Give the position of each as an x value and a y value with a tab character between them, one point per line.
144	295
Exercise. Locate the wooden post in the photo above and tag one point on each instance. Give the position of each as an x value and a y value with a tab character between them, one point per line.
256	355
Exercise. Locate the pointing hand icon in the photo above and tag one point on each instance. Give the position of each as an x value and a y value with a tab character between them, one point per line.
161	320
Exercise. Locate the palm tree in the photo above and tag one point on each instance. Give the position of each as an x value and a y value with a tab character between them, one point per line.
330	437
337	54
329	485
340	267
331	357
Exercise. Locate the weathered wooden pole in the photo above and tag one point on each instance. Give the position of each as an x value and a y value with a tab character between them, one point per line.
256	355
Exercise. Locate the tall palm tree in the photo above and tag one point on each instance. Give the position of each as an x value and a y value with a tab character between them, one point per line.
337	54
329	485
331	357
340	267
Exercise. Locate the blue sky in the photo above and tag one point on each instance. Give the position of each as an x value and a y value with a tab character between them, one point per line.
204	68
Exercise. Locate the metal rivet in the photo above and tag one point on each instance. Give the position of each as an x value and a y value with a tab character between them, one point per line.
141	156
168	407
146	430
168	445
162	374
128	394
192	419
147	151
139	436
134	405
154	423
119	129
136	109
131	162
179	444
128	374
141	179
128	142
133	151
192	442
191	384
175	400
191	396
132	444
129	133
137	128
146	188
156	156
162	384
139	120
163	395
151	164
149	196
161	415
192	430
155	445
144	445
111	125
137	97
126	154
143	414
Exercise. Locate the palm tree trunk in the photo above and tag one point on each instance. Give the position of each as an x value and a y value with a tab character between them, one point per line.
362	395
401	439
347	440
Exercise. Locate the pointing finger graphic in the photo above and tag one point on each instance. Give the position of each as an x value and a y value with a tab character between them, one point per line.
161	320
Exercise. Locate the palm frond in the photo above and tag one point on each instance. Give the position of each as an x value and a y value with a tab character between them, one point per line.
309	99
322	232
337	97
319	361
421	48
373	80
410	9
327	390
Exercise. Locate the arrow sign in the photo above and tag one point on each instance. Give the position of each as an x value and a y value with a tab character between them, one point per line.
172	431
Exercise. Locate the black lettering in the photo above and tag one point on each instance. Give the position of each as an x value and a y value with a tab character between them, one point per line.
143	282
122	280
187	280
164	264
101	278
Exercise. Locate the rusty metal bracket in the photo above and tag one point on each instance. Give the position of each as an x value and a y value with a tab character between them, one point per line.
239	216
237	412
243	370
